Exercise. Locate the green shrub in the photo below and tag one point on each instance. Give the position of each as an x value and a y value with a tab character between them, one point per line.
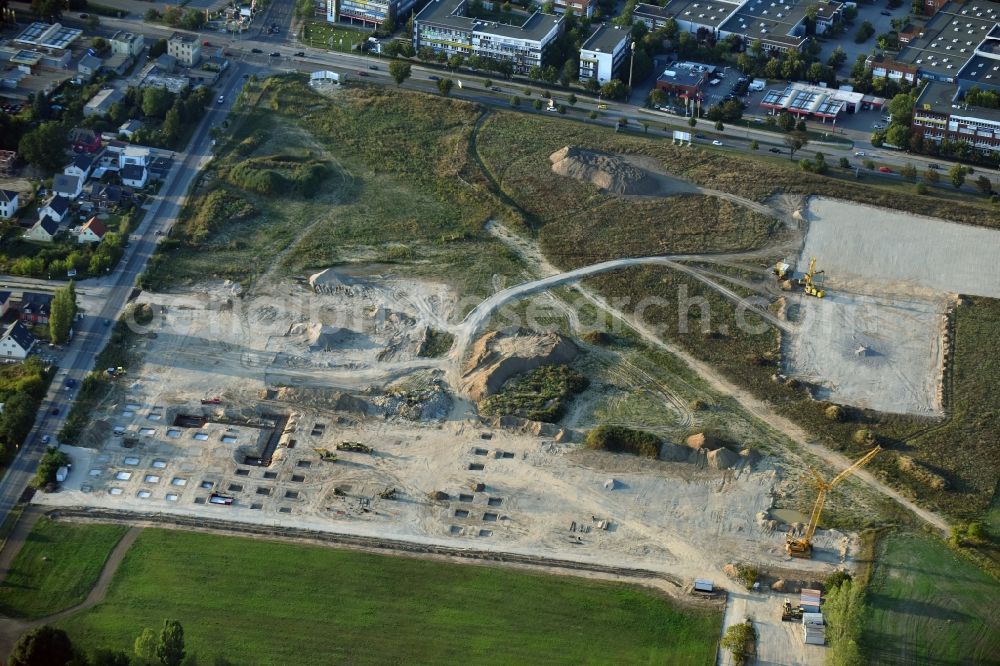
623	440
540	395
45	475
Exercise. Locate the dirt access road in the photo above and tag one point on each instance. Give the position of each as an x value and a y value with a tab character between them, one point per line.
535	260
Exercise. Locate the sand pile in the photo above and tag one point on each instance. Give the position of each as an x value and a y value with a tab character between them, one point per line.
605	171
499	355
722	459
703	441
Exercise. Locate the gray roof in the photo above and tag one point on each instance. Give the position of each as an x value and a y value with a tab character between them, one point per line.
605	39
7	195
166	61
442	12
65	183
949	39
112	192
50	225
59	204
940	97
131	125
90	62
83	161
133	172
20	334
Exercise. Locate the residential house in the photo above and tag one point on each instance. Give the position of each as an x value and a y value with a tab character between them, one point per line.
186	49
101	103
43	231
5	302
117	63
602	54
578	7
88	66
127	43
106	196
8	204
33	307
57	208
134	175
130	127
67	185
92	232
85	140
166	63
80	166
16	343
137	155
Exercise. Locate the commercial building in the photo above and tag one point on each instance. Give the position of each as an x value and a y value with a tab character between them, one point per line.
601	56
806	101
780	26
127	43
443	26
370	13
685	79
100	103
186	49
939	115
949	40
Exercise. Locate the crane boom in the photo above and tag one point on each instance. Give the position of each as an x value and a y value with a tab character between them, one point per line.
803	547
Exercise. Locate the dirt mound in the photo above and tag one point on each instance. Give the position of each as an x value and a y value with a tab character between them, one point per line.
499	355
722	459
703	441
605	171
922	474
539	428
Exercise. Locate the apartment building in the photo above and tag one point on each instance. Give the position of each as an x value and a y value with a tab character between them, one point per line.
602	55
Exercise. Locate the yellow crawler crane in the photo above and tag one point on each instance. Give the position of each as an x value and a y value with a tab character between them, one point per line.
802	547
807	283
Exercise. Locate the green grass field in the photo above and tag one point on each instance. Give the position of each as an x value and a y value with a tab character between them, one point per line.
334	38
56	568
260	602
927	605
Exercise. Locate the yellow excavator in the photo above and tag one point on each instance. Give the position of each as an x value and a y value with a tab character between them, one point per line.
807	283
802	546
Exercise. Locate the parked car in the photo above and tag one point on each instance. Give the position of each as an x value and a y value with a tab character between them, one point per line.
54	411
84	15
885	169
206	43
221	99
46	439
886	13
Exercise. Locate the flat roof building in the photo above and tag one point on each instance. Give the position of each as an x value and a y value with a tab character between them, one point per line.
685	79
370	13
443	26
186	49
780	26
939	115
602	54
943	46
804	100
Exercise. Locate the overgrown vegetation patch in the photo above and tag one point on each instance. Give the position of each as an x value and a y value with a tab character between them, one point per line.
624	440
539	395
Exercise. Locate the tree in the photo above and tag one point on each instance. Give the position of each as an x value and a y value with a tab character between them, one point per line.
613	89
754	145
455	61
786	121
738	639
931	176
957	176
158	48
538	105
692	121
488	83
156	101
45	646
908	172
399	71
515	101
152	16
110	658
170	649
63	309
47	9
795	141
571	99
45	146
146	645
445	86
984	185
719	127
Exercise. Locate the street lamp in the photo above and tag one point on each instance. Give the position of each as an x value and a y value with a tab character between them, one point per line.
631	68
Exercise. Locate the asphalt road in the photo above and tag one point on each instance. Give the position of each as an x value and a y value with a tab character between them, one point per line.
94	331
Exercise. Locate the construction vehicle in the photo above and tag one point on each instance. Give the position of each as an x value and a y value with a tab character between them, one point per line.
807	281
114	373
781	270
211	401
802	546
357	447
326	455
790	613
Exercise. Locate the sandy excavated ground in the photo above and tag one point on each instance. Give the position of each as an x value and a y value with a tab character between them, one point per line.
672	517
875	341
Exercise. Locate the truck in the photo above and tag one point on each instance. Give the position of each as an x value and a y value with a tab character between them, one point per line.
758	84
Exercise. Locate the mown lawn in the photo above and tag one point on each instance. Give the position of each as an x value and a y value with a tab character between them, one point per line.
260	602
57	567
928	605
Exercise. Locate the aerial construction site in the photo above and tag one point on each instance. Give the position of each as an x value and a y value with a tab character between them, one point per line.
372	400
